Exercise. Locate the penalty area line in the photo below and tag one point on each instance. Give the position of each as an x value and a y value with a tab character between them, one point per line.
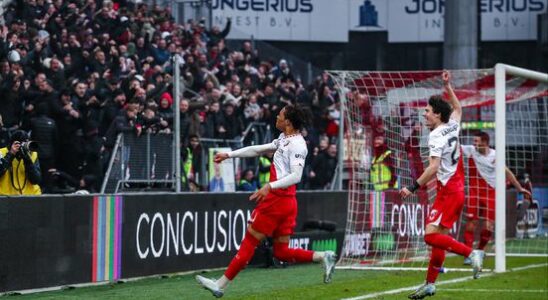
456	280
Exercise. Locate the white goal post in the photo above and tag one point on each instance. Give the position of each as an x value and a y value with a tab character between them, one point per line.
500	131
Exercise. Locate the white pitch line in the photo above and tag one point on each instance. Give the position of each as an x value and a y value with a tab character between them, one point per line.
461	279
494	290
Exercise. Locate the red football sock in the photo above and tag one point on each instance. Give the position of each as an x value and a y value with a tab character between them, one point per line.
469	238
436	261
284	253
448	243
242	258
485	236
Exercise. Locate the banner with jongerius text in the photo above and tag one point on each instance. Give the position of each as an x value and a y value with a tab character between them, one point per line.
405	21
284	20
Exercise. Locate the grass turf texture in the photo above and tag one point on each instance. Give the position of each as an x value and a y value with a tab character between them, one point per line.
305	282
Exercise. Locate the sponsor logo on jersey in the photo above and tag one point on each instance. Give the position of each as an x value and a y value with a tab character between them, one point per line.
433	214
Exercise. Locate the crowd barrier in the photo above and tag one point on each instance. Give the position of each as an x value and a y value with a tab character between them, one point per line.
53	241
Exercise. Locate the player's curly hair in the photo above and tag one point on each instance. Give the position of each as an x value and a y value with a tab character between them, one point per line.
439	106
299	116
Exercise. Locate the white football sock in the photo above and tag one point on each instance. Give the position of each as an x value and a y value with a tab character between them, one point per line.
223	282
318	256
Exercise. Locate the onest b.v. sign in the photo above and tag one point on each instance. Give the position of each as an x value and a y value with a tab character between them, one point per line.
404	20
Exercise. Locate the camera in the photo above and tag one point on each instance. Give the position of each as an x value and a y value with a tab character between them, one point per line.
30	146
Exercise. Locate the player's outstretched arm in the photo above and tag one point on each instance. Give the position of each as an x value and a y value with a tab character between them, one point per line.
429	172
453	100
251	151
515	182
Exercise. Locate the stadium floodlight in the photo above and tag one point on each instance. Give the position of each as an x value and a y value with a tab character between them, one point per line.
510	104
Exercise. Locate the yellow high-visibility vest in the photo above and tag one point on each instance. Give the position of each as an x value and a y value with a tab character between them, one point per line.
15	181
187	166
264	177
380	173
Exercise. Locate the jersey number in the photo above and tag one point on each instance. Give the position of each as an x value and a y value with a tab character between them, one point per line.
454	157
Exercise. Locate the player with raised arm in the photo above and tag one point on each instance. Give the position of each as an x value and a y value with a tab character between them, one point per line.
481	191
276	210
444	162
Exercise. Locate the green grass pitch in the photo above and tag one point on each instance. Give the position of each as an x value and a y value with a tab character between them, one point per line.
305	282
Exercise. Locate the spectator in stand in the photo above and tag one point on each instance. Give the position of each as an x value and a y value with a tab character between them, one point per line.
265	162
70	127
195	147
19	167
93	155
323	168
44	131
412	149
185	117
382	174
11	107
215	35
165	112
4	134
233	124
323	144
64	183
283	72
111	108
151	123
270	103
361	102
198	126
251	54
214	122
94	62
122	123
248	183
252	110
55	72
333	118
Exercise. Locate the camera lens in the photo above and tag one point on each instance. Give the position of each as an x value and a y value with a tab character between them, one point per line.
30	146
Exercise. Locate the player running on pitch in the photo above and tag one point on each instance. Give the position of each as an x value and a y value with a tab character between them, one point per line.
276	208
481	191
445	162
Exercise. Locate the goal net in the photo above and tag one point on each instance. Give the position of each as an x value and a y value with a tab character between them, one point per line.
385	144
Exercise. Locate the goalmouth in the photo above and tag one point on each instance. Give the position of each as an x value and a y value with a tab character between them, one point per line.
501	70
507	102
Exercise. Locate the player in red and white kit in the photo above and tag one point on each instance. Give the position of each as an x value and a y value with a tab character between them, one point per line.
481	189
445	162
276	211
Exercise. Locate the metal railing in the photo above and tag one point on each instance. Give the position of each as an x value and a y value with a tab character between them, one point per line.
148	162
255	133
140	162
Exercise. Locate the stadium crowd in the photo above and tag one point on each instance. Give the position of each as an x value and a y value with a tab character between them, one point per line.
76	73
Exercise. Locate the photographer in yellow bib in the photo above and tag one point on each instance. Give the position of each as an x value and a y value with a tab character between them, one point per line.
19	166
